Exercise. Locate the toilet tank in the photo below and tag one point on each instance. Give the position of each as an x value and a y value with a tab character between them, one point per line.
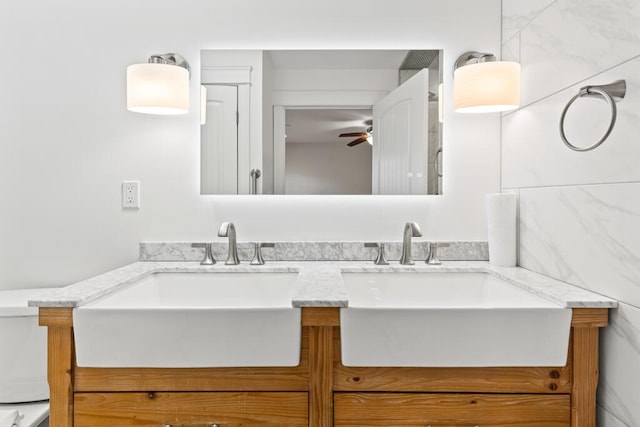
23	344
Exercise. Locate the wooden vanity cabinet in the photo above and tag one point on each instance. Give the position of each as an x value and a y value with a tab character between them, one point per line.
321	392
560	396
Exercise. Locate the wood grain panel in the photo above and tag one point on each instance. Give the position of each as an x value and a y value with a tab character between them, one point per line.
60	376
55	316
479	380
320	316
464	410
191	409
197	379
585	380
590	317
187	379
321	376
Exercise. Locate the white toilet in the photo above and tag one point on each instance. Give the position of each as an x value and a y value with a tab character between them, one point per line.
24	391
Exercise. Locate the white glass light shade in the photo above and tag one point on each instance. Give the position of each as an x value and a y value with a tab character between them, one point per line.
157	89
486	87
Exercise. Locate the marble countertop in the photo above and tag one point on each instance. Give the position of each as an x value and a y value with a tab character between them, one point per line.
319	283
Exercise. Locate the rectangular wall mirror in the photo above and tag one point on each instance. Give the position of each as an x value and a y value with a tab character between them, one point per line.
321	122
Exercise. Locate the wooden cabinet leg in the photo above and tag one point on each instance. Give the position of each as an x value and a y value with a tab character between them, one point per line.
321	376
60	370
585	377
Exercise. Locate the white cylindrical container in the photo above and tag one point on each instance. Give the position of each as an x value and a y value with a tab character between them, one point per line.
501	224
23	358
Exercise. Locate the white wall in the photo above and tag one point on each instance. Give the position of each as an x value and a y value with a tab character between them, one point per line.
380	80
68	140
327	168
580	212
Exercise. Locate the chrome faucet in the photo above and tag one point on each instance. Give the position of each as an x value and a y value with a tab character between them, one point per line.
227	229
411	229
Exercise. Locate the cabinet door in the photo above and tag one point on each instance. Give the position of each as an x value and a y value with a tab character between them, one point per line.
191	409
449	410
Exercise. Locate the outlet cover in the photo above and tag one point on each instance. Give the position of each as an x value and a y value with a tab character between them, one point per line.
131	194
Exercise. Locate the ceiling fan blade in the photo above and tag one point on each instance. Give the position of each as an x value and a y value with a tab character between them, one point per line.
357	141
352	134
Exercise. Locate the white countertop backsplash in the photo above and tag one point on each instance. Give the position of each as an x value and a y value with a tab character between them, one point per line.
319	283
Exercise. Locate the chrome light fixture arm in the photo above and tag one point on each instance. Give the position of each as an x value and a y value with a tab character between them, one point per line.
473	57
170	59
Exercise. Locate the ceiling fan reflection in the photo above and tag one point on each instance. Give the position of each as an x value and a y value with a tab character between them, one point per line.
360	137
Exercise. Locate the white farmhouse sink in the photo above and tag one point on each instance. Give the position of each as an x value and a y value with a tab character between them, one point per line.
192	320
445	319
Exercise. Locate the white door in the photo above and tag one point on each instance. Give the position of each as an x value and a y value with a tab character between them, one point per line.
219	141
400	136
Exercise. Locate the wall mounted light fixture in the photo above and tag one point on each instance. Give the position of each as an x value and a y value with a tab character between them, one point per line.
160	86
481	84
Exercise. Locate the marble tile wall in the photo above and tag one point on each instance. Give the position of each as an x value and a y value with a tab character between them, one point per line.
534	155
563	45
619	390
516	14
606	418
585	235
580	212
568	41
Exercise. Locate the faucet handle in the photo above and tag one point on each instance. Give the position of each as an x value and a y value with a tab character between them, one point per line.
433	259
380	259
208	254
257	255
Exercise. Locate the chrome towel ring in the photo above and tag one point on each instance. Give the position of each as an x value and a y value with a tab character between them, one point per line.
611	93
